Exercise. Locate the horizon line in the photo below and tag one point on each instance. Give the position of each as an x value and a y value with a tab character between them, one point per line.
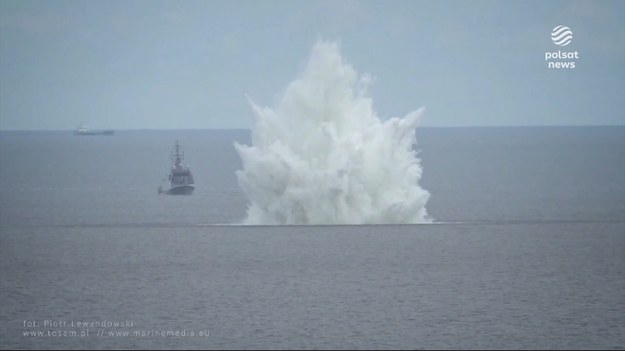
248	128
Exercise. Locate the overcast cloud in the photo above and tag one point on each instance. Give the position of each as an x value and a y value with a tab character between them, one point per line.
188	64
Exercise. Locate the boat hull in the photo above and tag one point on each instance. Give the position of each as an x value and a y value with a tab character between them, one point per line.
95	132
181	190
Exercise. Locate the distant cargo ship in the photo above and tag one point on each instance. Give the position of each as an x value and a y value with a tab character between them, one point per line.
82	130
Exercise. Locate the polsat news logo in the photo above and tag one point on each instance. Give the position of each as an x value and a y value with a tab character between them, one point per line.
561	36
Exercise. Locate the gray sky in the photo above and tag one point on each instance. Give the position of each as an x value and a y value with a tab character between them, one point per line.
188	64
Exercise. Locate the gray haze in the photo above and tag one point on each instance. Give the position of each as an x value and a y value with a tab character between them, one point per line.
189	64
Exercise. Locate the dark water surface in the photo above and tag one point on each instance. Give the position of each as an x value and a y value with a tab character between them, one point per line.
528	250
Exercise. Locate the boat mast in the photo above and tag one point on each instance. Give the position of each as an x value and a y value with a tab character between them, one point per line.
178	156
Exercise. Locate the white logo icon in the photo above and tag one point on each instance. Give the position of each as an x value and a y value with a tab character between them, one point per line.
561	35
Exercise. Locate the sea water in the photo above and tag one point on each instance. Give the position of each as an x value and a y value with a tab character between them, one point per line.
526	249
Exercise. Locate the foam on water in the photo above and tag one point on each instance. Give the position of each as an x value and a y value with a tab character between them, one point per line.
321	155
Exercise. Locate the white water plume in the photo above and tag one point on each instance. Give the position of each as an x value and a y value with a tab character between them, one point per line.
322	156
